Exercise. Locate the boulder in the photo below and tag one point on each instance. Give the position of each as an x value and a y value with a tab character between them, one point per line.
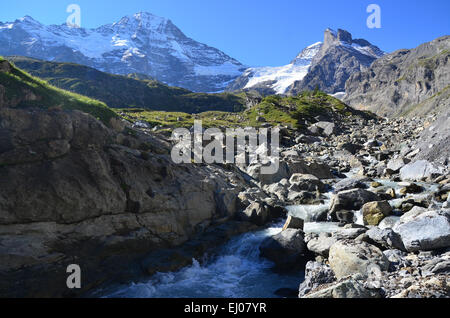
306	182
419	170
320	170
321	245
348	258
350	200
350	147
294	223
349	233
389	222
351	183
375	212
323	128
316	275
422	231
286	249
348	288
386	238
397	163
411	188
256	213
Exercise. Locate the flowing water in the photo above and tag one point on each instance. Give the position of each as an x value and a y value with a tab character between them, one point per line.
237	272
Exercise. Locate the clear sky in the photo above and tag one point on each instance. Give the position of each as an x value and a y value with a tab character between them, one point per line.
260	32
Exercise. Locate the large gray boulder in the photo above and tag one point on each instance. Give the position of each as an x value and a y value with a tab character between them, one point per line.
419	170
306	182
425	231
321	245
397	163
350	200
348	258
387	238
351	183
256	213
324	128
318	169
286	249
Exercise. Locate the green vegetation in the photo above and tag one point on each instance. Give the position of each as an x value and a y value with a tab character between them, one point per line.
132	91
24	90
273	110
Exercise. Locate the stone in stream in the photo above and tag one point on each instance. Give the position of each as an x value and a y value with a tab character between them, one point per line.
423	231
293	223
411	188
375	212
391	193
256	213
345	217
287	249
350	200
351	183
348	258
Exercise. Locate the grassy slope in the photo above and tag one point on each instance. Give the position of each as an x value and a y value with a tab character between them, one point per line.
18	84
126	92
274	109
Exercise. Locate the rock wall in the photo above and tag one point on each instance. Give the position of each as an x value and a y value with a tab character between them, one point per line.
73	191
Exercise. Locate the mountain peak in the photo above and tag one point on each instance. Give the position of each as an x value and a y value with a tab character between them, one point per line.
143	18
29	20
336	37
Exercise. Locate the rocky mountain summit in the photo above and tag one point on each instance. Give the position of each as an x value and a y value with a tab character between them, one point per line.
406	82
326	65
338	58
141	43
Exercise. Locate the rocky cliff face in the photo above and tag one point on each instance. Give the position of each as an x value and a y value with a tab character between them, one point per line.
142	43
339	57
73	191
406	82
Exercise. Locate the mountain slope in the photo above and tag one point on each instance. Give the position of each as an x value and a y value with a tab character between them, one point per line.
339	57
123	92
405	82
142	43
20	90
276	80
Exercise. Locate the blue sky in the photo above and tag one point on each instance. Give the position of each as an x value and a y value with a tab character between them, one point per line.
260	32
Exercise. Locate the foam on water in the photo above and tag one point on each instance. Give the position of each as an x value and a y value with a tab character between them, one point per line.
237	272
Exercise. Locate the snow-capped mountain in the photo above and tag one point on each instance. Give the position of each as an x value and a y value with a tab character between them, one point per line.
276	80
326	64
141	43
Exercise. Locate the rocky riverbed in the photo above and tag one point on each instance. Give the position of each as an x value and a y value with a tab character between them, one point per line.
364	217
393	211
